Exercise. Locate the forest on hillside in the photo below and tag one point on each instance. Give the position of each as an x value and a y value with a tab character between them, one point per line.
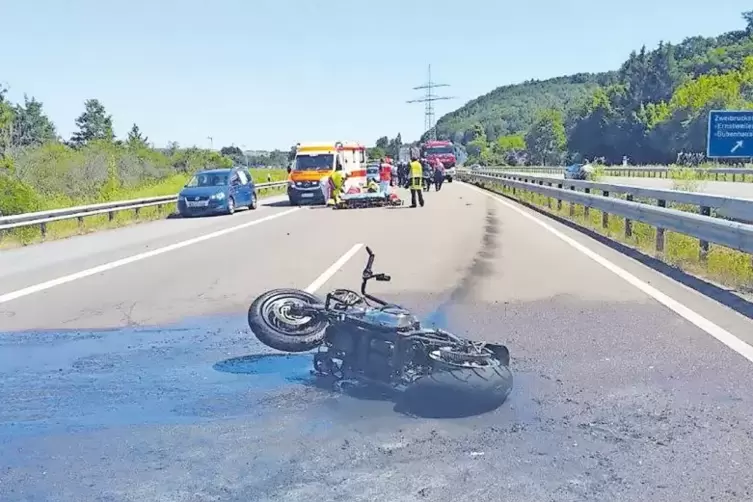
653	109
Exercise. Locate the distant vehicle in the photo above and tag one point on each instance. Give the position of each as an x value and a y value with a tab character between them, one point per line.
372	171
578	172
443	151
218	191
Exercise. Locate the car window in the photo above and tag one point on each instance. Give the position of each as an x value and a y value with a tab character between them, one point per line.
235	181
243	178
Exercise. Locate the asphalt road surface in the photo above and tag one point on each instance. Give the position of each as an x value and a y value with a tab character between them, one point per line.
127	372
726	188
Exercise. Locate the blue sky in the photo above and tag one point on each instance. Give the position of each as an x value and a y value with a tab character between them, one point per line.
268	73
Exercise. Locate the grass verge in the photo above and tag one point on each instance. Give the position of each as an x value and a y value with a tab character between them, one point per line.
67	228
723	265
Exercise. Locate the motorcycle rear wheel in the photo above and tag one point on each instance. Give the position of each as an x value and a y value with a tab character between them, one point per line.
485	383
274	326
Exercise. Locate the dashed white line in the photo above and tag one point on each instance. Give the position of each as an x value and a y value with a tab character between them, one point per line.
332	270
131	259
686	313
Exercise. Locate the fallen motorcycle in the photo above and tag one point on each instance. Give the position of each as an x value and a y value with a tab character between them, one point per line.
365	339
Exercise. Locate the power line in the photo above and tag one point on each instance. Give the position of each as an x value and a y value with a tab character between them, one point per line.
428	100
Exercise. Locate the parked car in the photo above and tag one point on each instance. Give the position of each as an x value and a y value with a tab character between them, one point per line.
218	191
578	172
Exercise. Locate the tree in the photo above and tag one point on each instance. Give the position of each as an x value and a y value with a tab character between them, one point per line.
546	140
31	126
93	124
748	17
135	138
383	143
231	150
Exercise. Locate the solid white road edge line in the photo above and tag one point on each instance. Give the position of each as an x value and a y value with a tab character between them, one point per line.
131	259
686	313
332	270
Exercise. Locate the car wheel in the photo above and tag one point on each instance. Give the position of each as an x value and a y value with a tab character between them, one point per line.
254	201
230	206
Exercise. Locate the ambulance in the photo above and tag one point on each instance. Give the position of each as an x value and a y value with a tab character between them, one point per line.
315	162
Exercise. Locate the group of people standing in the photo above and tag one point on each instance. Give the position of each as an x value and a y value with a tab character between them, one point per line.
419	175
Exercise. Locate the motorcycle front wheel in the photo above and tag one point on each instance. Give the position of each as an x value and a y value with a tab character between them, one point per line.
271	321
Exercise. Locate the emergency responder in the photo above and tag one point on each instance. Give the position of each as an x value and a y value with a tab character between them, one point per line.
428	174
336	184
402	174
438	174
416	172
385	175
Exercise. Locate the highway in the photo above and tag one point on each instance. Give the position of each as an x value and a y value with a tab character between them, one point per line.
127	372
727	188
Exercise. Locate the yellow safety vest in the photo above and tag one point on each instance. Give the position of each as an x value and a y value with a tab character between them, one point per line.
416	170
337	179
416	175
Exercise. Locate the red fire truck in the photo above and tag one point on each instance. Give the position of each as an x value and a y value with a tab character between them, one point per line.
444	151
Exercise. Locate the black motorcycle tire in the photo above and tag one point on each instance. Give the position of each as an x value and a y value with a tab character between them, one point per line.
303	340
484	386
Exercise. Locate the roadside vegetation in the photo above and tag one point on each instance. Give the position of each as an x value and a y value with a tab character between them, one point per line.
41	171
652	110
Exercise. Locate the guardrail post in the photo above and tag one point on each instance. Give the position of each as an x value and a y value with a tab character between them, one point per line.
628	222
111	216
572	204
80	220
549	199
660	231
136	212
559	201
703	253
604	214
43	229
586	208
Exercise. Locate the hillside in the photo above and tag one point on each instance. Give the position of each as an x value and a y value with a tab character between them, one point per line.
513	108
635	110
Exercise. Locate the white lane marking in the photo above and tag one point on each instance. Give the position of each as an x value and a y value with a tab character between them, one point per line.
686	313
332	270
131	259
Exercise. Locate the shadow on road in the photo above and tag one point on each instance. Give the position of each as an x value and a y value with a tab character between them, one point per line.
296	369
276	203
721	295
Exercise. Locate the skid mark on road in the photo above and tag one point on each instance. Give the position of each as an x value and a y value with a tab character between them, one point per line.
481	266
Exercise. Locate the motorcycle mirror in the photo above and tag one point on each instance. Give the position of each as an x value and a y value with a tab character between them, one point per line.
369	251
383	278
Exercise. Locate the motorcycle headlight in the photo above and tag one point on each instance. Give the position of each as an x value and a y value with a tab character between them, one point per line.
218	196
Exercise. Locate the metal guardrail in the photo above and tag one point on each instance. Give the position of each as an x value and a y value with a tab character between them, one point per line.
629	171
42	218
733	208
706	229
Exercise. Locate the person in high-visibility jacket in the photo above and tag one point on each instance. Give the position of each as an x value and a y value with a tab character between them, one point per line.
416	173
336	185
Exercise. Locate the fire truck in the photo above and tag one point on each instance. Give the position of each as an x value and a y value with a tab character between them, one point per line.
444	151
